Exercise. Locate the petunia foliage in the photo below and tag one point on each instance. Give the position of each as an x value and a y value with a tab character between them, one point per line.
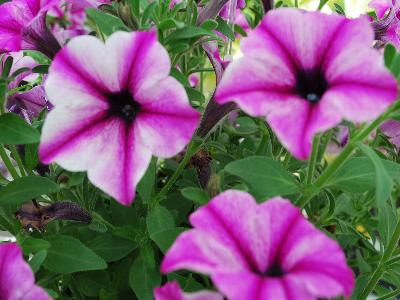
199	150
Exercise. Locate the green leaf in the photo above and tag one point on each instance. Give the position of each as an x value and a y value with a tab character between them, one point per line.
195	95
266	178
111	247
31	157
165	238
91	283
147	13
7	67
146	184
389	54
14	130
159	219
195	194
41	69
37	260
189	32
225	29
358	175
108	24
23	189
170	23
68	255
143	278
384	182
33	245
209	24
387	219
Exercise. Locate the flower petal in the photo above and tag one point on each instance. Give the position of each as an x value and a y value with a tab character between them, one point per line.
303	36
268	85
317	260
197	250
87	139
16	277
165	109
172	291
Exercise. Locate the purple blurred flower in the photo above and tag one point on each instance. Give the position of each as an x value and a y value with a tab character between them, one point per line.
303	71
17	281
240	4
72	16
20	62
114	108
387	27
172	291
391	129
260	251
23	27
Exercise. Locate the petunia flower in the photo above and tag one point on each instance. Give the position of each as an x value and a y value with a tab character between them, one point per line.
23	27
381	7
20	62
17	281
72	17
115	107
265	251
387	27
305	72
391	129
172	291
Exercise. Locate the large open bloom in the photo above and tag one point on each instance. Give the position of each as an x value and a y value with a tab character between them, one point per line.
23	26
306	71
17	281
115	106
260	251
172	291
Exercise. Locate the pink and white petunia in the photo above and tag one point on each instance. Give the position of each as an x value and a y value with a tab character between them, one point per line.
172	291
23	26
17	281
115	107
305	72
265	251
381	7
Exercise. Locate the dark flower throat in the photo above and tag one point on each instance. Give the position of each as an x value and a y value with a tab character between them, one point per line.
311	84
123	105
273	271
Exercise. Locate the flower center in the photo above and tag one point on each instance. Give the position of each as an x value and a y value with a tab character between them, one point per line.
123	105
311	84
273	271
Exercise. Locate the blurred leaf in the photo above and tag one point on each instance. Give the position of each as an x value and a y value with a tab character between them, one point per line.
358	175
68	255
209	25
387	219
384	182
389	54
7	67
111	247
196	195
23	189
33	245
91	283
37	260
143	278
267	178
108	24
146	184
225	29
189	32
14	130
170	23
159	219
164	239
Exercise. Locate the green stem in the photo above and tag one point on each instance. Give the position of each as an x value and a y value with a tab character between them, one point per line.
264	138
296	3
380	269
341	158
391	295
312	162
191	150
8	163
322	4
18	159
